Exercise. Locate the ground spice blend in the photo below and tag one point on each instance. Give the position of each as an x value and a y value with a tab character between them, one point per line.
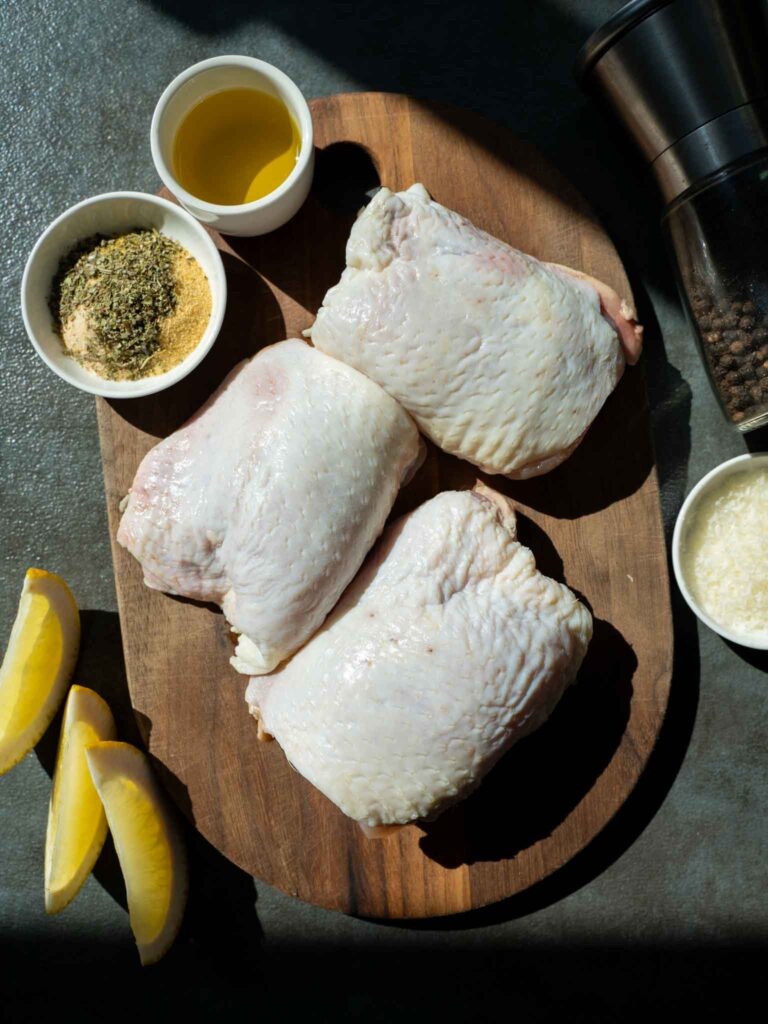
130	306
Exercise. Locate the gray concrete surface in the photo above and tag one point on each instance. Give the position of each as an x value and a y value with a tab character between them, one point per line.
668	907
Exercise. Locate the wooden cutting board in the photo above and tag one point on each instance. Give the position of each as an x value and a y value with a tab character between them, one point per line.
594	523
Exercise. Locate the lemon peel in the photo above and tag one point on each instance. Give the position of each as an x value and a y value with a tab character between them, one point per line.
148	842
77	825
38	663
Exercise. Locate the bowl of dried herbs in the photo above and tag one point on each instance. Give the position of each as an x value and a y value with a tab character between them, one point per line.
124	294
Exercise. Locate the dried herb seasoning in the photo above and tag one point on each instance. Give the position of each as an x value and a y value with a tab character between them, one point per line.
116	291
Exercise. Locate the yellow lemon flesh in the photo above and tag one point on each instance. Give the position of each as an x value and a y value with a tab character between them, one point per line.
148	843
38	663
77	825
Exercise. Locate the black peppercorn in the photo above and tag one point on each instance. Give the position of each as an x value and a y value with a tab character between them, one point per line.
734	333
740	401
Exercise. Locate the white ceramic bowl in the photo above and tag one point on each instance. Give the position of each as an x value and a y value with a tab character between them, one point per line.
707	483
215	75
114	213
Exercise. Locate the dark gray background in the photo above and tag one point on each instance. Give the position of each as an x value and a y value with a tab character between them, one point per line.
668	905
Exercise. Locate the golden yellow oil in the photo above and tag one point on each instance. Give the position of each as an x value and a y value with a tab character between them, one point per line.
235	146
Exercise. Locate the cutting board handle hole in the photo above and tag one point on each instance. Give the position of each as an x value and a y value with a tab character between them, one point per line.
346	177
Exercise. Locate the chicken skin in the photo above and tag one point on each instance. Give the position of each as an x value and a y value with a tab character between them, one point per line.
447	648
268	499
501	359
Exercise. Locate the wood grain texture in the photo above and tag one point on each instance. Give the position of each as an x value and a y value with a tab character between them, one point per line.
594	523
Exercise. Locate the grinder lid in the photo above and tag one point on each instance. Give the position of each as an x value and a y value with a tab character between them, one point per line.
603	38
687	78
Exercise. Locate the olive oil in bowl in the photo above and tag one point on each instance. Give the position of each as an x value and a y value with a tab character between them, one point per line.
235	146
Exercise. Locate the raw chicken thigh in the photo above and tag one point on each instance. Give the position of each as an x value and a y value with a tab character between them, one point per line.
269	498
446	650
501	359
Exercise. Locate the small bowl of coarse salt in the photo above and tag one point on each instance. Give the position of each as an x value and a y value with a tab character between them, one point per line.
720	550
124	294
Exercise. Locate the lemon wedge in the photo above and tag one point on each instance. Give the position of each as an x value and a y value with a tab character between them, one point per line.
77	826
38	663
148	843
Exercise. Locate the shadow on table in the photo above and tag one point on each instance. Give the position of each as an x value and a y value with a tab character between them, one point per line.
220	924
757	659
579	980
536	786
632	818
611	463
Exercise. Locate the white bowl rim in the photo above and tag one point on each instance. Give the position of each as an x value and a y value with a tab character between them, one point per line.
269	71
146	385
742	639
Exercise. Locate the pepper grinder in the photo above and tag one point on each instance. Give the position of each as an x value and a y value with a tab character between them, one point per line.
688	80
